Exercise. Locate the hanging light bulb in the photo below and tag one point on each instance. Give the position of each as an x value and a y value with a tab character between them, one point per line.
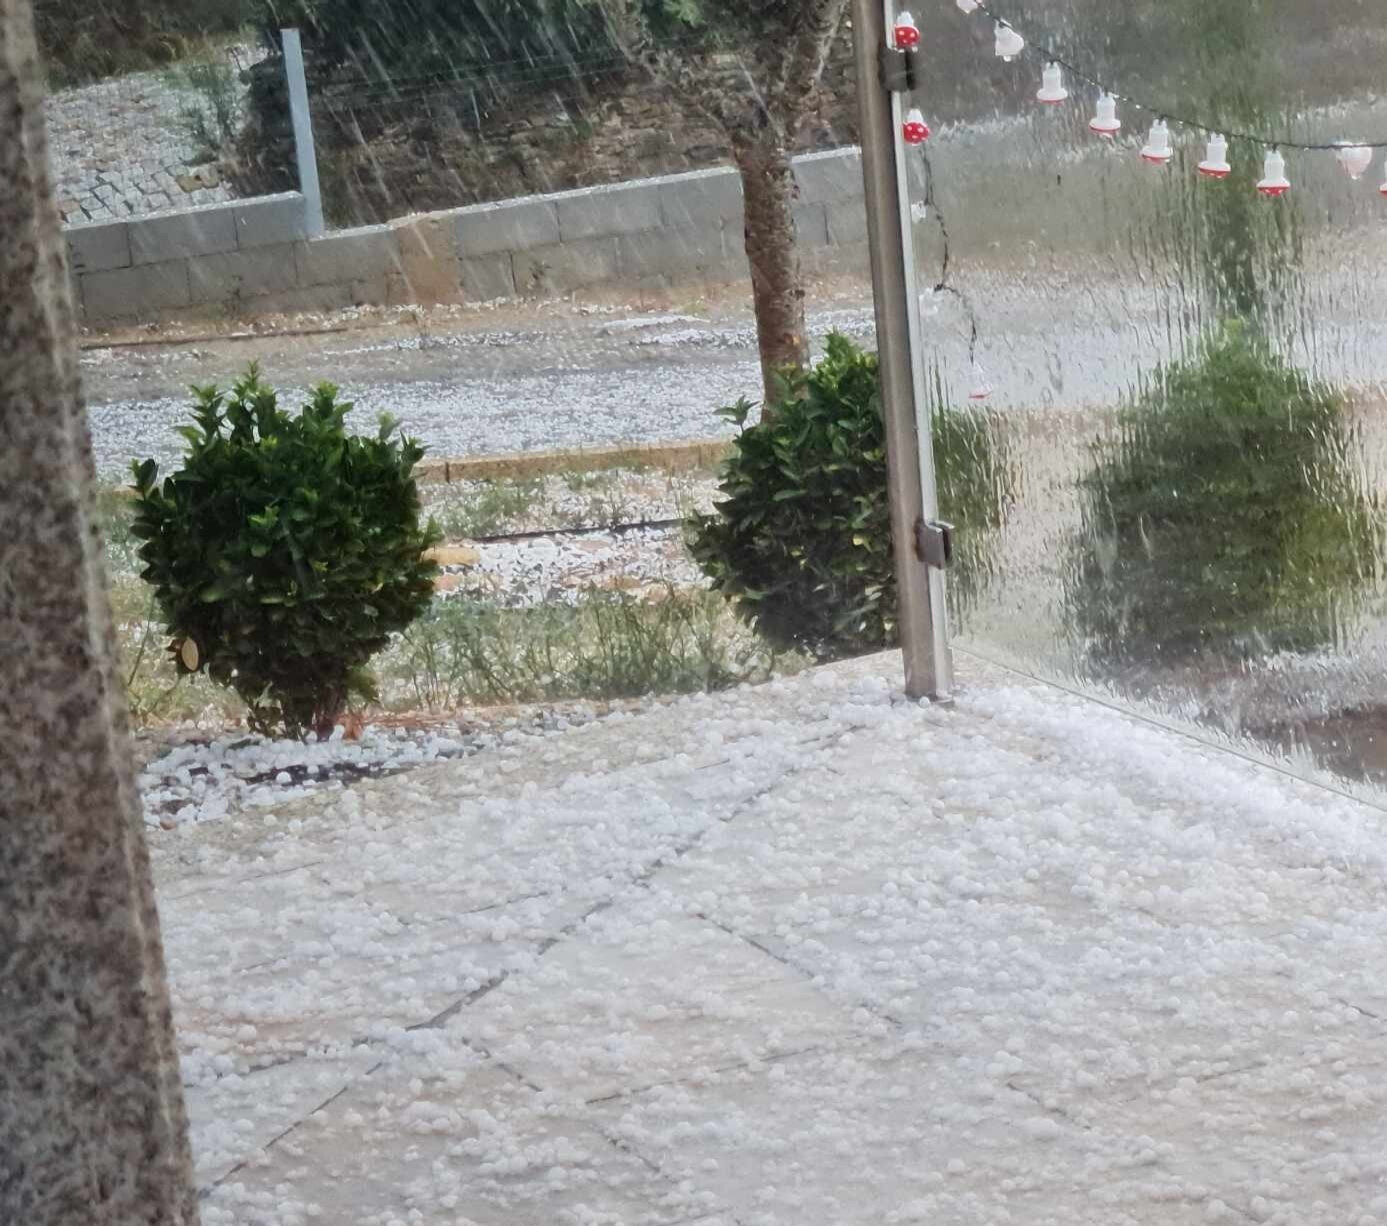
1273	181
1052	91
1105	122
906	32
968	6
914	130
1157	148
1009	44
1215	164
980	386
1355	159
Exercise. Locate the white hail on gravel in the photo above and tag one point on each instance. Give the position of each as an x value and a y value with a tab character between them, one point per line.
522	574
206	781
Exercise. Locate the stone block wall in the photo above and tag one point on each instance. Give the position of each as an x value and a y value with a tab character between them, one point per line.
254	256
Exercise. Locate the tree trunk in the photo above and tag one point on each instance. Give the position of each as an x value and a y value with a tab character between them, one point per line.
92	1124
777	282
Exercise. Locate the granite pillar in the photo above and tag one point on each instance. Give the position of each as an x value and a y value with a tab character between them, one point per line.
92	1124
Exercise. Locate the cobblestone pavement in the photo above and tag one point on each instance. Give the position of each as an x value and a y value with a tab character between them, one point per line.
122	148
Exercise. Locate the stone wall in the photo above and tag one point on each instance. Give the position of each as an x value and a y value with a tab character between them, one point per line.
253	257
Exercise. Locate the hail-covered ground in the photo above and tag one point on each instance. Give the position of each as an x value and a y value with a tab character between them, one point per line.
792	955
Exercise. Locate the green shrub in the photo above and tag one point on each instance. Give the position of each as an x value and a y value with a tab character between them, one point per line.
284	552
1225	517
801	540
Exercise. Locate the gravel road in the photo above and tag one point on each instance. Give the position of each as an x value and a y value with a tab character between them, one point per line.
463	385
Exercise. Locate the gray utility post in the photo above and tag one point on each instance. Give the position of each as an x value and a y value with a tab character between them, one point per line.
92	1124
909	449
304	151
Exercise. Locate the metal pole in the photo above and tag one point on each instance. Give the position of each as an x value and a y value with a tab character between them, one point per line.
909	456
304	151
924	426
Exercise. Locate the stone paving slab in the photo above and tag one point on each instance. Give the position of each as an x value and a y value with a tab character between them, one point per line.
797	954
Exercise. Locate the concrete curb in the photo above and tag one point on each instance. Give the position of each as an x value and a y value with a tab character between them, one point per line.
672	457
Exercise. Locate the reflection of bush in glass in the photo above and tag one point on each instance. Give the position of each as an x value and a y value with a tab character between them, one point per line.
801	541
1225	518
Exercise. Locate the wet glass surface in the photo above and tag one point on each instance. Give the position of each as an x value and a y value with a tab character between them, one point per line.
1181	376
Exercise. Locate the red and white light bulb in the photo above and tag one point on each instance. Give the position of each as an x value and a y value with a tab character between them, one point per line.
1273	182
1157	149
905	32
1215	164
1051	91
914	129
1105	122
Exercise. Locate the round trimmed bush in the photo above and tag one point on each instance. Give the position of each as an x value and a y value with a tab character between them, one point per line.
801	540
285	552
1225	518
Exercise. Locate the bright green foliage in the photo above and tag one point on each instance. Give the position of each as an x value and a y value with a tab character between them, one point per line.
1225	518
801	541
284	552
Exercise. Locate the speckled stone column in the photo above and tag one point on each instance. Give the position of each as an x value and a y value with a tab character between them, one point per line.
92	1124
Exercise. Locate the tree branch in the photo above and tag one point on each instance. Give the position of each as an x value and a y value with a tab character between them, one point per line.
793	83
690	77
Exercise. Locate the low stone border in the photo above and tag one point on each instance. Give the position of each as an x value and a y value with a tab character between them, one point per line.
672	457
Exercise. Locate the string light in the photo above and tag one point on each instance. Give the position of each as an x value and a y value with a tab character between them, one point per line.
1157	148
1273	181
980	386
1215	164
914	130
1355	159
1105	122
1008	43
906	32
1052	91
1053	56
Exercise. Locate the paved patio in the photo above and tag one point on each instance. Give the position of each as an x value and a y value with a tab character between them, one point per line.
796	955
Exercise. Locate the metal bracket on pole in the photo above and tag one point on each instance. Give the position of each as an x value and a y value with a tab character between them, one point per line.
934	543
899	70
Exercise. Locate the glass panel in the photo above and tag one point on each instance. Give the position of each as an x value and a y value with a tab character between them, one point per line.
1162	385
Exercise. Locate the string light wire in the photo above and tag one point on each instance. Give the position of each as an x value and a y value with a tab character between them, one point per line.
1047	52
